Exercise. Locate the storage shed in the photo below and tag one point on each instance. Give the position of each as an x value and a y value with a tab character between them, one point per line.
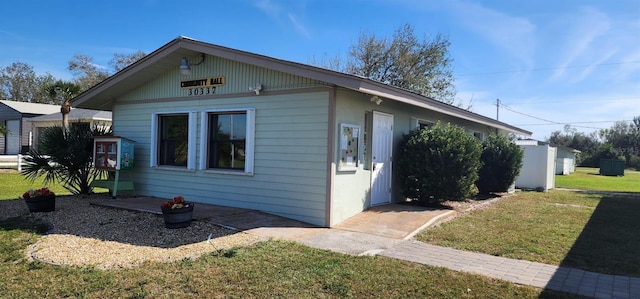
565	159
538	166
227	127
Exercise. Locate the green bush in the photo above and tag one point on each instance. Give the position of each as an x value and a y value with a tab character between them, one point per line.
501	164
438	163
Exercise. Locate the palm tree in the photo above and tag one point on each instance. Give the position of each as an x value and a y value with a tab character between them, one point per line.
66	155
3	130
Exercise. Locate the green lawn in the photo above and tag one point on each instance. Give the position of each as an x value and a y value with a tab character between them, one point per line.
588	231
267	269
589	179
14	185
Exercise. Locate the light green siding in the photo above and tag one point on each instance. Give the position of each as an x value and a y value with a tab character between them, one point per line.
290	165
351	192
239	77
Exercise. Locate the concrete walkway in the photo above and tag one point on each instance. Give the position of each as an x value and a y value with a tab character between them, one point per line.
388	231
564	279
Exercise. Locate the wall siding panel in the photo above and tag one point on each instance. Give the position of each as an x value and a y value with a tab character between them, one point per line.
290	170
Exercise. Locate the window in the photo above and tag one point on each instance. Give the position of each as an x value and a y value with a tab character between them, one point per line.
174	139
227	140
478	135
425	124
417	123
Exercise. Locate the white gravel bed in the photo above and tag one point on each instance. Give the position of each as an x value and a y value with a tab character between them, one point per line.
86	235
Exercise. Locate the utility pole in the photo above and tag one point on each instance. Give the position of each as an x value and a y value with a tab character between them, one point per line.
497	109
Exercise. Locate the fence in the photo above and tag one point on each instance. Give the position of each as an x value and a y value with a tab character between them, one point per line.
12	161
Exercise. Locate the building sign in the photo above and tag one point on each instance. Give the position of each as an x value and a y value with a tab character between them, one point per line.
200	83
204	86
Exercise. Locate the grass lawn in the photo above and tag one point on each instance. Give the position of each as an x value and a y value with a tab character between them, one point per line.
267	269
587	231
589	179
13	185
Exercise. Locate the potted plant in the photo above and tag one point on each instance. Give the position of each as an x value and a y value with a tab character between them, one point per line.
177	213
40	200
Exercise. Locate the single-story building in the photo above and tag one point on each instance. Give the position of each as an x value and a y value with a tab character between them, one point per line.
538	165
227	127
76	115
15	115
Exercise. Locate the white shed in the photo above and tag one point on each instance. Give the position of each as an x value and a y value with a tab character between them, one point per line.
538	165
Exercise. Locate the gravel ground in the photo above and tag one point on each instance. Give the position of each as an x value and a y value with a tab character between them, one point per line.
81	234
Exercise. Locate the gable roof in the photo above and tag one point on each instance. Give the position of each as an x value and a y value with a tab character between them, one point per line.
31	108
76	114
168	57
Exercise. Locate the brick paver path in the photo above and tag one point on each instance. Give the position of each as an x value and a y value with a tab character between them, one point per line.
522	272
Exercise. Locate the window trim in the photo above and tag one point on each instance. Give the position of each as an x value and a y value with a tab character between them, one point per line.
191	140
249	142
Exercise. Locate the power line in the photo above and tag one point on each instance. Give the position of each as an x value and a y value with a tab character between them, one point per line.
550	68
579	101
550	122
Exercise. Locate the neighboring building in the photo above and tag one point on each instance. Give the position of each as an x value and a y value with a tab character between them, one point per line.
250	131
538	165
15	115
76	115
565	159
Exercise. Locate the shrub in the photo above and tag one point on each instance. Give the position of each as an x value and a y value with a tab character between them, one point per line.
66	156
501	164
438	163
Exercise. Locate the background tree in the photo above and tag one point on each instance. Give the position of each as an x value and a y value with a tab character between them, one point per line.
3	130
87	73
18	82
120	61
406	62
59	91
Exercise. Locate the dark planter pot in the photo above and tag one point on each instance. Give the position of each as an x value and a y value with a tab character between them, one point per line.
41	203
178	218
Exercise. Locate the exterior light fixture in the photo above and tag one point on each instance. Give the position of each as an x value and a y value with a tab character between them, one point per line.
376	99
185	66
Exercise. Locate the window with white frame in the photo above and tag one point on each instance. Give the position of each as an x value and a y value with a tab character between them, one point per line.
227	140
173	139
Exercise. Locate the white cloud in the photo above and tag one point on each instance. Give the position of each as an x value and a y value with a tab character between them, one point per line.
283	16
583	40
515	35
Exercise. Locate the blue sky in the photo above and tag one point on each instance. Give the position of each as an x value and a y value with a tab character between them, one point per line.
550	62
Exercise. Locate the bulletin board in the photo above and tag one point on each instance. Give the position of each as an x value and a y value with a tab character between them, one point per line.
349	147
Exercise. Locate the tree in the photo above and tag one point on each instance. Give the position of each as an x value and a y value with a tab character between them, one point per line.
66	156
89	74
60	91
18	82
121	61
86	71
405	62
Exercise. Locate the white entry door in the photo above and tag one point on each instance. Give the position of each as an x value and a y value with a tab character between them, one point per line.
12	139
381	155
